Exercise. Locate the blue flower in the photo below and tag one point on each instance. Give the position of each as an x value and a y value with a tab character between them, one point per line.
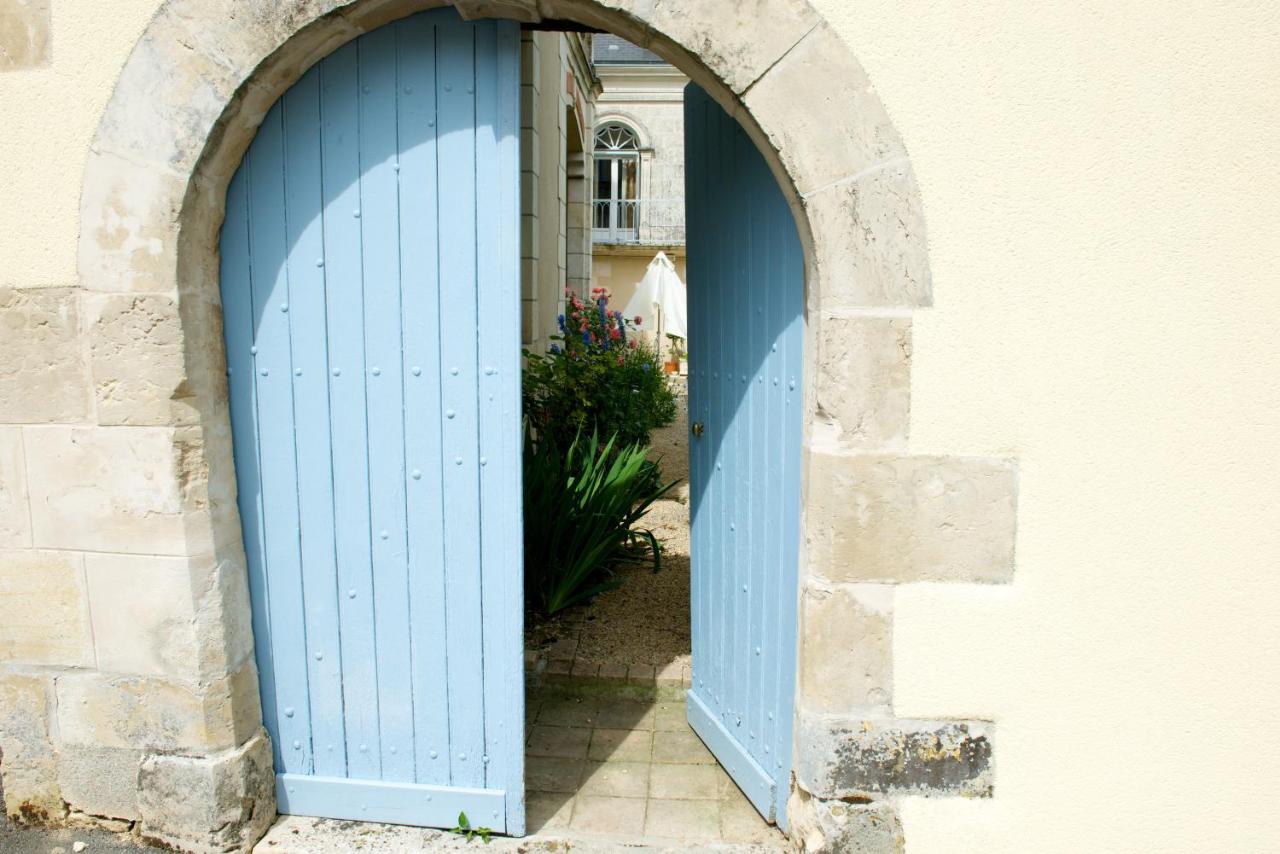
586	338
645	366
555	348
560	320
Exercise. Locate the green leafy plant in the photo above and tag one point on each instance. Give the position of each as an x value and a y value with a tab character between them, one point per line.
464	828
599	376
581	506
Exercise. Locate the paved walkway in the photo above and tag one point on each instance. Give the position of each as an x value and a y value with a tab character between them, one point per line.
627	768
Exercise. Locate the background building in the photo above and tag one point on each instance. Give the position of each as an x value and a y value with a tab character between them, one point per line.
639	165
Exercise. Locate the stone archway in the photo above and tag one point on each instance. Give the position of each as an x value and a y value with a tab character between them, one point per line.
186	106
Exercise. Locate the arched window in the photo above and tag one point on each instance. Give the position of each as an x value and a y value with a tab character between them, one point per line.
617	190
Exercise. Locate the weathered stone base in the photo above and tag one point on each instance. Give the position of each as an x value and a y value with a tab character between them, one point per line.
838	757
209	805
844	827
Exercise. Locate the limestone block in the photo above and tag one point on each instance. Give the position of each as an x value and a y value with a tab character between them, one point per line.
101	781
846	649
838	827
871	246
904	519
821	113
238	34
627	18
863	386
844	757
215	804
44	609
143	614
115	489
525	11
28	766
731	38
15	515
149	713
24	34
136	356
128	225
223	618
42	367
171	91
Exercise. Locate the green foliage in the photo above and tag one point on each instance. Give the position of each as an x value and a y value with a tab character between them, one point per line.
580	509
464	828
599	377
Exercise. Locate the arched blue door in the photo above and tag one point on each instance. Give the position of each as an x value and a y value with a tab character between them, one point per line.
746	304
370	287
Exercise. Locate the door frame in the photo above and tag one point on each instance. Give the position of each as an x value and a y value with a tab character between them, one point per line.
189	99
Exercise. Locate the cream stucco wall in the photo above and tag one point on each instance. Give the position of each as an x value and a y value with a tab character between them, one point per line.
1102	188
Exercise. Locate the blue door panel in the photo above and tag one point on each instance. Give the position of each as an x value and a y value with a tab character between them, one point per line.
371	310
746	302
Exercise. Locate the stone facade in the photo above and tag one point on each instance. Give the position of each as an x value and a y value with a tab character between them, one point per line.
115	458
649	99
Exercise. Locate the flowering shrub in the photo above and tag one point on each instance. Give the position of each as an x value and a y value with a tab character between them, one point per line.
598	378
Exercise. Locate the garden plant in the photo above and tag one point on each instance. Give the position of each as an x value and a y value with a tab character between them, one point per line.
590	405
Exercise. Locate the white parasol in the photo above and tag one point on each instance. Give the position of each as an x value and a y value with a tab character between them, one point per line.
660	299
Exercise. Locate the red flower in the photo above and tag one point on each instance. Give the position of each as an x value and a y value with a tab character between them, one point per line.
631	344
639	320
615	334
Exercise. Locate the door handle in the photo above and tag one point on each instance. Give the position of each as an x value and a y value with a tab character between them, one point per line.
696	428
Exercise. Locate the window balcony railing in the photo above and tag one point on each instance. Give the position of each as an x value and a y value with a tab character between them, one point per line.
659	222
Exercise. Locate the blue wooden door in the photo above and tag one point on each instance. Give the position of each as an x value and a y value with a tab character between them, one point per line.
370	264
746	301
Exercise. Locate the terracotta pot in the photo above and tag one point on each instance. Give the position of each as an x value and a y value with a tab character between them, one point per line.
670	367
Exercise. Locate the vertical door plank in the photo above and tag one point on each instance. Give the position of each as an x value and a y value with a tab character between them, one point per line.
420	308
697	370
306	312
378	213
455	98
340	140
726	476
277	454
789	595
237	319
497	181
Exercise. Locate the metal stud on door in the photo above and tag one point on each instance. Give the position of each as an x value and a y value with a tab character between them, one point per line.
746	300
371	232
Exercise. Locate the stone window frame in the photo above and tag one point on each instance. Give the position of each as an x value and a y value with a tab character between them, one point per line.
185	107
